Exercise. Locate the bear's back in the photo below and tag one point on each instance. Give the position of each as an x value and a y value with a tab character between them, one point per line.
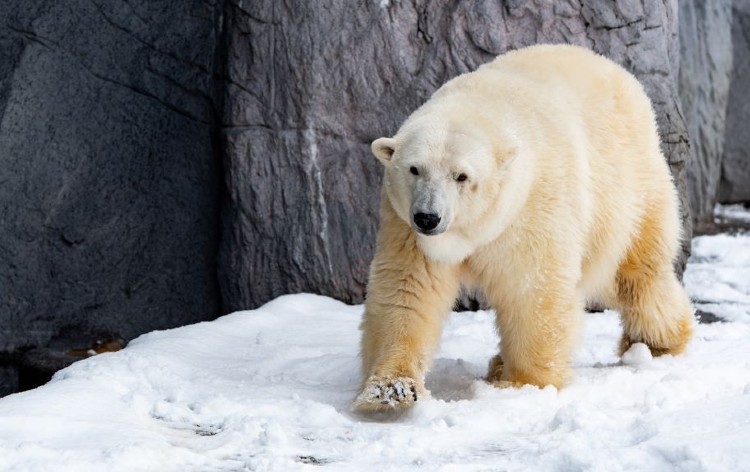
576	67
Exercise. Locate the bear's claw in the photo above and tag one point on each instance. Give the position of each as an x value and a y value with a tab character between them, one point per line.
386	394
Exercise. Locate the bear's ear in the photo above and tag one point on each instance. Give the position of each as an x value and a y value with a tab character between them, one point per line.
383	148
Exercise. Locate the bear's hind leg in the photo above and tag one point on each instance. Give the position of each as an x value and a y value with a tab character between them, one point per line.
495	369
655	309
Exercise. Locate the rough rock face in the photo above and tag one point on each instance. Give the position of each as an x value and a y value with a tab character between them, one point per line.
109	189
735	169
705	39
305	97
138	136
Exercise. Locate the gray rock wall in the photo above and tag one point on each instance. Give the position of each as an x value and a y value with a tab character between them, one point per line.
705	70
153	151
735	167
311	85
109	188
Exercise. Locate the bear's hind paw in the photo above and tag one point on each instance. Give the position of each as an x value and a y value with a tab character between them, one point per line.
386	393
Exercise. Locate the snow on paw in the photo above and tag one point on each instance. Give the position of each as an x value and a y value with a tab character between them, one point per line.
380	394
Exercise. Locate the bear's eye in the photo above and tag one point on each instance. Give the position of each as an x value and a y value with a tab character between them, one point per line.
461	178
413	170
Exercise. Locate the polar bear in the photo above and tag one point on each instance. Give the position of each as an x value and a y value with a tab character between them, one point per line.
537	178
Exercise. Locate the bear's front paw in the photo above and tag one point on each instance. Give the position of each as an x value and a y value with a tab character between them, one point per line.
387	393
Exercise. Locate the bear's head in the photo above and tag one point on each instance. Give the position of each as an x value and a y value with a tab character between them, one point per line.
446	178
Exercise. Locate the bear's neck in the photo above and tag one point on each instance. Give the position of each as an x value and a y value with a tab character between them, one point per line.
449	247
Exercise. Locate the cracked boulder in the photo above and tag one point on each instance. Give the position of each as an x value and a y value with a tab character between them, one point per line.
735	168
306	93
109	189
705	38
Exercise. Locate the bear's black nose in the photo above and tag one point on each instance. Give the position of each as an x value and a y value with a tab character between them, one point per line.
426	221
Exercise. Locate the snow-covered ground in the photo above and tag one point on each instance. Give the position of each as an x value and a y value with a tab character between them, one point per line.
270	389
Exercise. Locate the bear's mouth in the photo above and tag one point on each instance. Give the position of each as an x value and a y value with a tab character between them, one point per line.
431	232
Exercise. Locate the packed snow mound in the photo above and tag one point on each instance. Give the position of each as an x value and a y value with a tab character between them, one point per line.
270	389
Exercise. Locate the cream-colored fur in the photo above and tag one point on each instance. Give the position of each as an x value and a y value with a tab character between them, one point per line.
566	198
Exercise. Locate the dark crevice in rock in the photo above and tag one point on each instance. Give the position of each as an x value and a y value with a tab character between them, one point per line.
149	95
221	51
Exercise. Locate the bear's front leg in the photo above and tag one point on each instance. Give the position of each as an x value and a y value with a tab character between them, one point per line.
408	296
537	333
